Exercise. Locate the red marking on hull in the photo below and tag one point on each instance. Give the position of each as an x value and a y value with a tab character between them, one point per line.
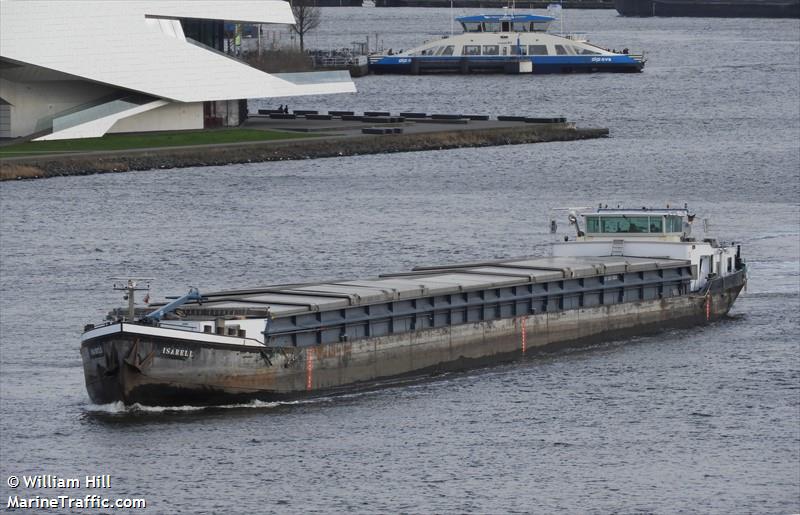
524	337
309	369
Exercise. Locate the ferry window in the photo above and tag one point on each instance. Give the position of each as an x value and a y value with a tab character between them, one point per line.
560	50
448	50
491	26
519	50
472	50
491	50
656	224
537	50
472	27
592	224
520	27
586	51
505	50
506	26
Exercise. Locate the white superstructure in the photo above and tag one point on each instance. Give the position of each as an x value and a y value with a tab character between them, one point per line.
73	69
653	233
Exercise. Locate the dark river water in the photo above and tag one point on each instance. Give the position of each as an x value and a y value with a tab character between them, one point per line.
695	421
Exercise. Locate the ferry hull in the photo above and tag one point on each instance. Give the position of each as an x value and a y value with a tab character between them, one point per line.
157	370
542	65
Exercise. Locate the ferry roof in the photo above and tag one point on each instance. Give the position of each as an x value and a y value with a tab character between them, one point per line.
504	17
293	299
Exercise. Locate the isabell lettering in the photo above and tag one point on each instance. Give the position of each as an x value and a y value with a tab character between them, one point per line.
177	353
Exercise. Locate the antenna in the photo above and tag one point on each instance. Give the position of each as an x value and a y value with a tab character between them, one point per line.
452	18
130	286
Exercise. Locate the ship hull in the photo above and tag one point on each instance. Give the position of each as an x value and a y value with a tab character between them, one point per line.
418	65
709	8
130	367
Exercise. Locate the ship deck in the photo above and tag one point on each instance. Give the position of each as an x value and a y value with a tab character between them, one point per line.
298	299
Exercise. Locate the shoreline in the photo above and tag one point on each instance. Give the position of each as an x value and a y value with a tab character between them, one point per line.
89	163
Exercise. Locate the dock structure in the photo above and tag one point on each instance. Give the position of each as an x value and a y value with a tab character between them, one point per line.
334	133
436	297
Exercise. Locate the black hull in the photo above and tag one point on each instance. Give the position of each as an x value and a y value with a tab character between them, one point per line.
114	389
708	9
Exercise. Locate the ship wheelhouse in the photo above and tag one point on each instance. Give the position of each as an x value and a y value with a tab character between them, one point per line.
505	23
666	225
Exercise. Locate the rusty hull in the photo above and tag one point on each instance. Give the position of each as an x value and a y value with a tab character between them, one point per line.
160	371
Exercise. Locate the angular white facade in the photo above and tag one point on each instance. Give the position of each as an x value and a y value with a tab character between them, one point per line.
83	68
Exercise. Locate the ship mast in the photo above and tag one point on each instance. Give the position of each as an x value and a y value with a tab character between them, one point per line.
130	287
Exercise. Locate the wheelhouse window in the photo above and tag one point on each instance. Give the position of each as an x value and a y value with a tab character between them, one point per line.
656	224
592	224
617	224
472	50
472	27
624	224
674	223
521	27
491	26
537	50
491	50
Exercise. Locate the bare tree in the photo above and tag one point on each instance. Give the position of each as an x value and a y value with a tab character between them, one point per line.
307	16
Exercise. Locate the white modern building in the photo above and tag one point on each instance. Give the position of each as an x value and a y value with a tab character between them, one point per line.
84	68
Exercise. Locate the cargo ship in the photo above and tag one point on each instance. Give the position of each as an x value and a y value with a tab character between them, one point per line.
615	273
710	8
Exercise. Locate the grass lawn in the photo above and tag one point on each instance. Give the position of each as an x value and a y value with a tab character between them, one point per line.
146	140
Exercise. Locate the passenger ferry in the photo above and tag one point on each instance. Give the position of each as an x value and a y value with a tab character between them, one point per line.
614	273
510	43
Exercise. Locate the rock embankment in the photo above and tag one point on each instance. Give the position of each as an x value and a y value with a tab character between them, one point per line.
232	153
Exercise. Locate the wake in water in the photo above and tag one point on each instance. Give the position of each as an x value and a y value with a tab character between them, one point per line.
118	408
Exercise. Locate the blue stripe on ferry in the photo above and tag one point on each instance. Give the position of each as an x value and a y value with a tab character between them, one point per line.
592	60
